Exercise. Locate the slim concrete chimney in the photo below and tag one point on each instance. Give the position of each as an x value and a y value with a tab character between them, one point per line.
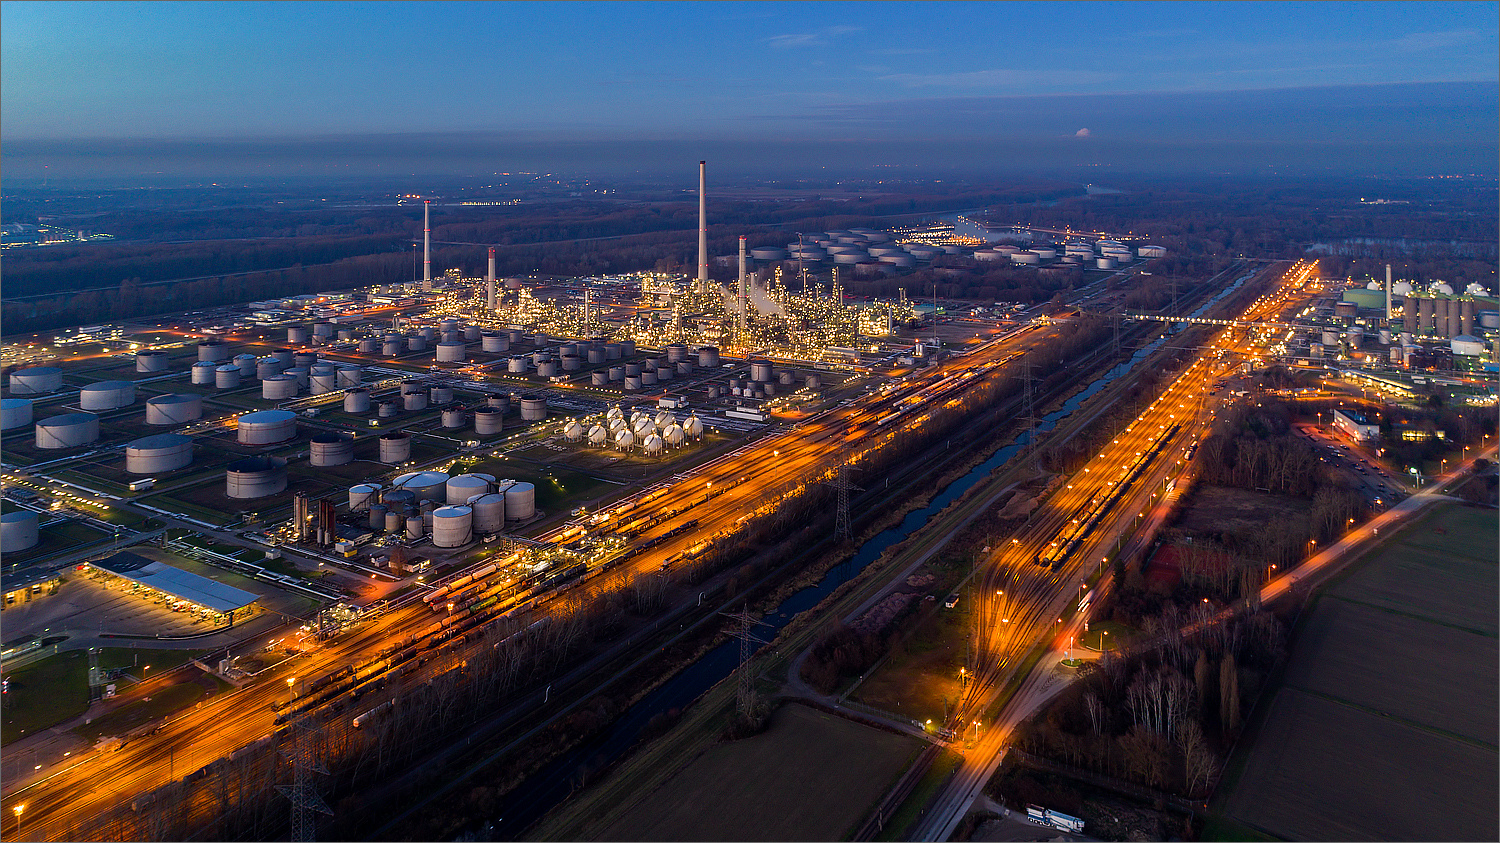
426	245
1388	292
489	283
743	304
702	227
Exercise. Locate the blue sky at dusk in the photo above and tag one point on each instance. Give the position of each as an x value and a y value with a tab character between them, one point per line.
302	79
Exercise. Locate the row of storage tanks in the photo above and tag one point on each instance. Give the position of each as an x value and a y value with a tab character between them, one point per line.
651	435
451	509
1107	255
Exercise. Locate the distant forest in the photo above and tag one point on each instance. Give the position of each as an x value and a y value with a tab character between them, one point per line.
172	256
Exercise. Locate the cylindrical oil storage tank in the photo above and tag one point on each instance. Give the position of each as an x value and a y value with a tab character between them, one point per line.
369	345
227	376
1395	354
1152	251
362	496
297	335
627	348
1025	257
813	382
676	352
450	352
685	367
464	486
1330	338
489	514
213	350
417	343
331	449
323	382
599	378
1385	336
1104	263
278	387
713	392
648	379
16	412
19	530
426	485
499	402
533	408
453	418
440	394
494	343
414	526
488	420
176	408
302	374
414	401
597	356
162	452
346	334
666	372
448	324
350	376
708	356
112	395
267	367
1044	253
395	448
305	359
571	363
768	253
390	347
284	356
768	389
450	336
520	501
395	521
540	357
514	335
788	377
255	477
632	369
567	348
547	369
452	526
323	329
612	351
247	364
427	332
377	516
632	382
760	371
516	365
69	430
152	361
323	368
617	373
471	333
413	386
398	498
267	427
202	373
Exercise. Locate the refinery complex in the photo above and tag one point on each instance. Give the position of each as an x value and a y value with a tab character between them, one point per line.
344	500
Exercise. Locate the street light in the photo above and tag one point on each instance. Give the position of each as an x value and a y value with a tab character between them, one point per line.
19	809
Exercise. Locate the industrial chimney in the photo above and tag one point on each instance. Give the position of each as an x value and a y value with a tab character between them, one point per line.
1387	293
702	227
489	283
744	304
426	246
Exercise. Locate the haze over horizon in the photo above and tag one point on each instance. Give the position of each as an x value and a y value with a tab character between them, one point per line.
101	90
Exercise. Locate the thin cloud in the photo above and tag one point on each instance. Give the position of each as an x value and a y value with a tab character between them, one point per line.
1081	133
1419	41
795	40
999	79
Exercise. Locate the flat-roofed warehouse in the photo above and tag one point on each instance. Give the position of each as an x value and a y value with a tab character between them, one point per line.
177	584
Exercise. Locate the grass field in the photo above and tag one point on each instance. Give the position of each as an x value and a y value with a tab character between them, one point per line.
811	776
920	680
1383	726
173	698
44	694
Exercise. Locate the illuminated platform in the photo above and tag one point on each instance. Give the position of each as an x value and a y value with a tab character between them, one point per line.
177	583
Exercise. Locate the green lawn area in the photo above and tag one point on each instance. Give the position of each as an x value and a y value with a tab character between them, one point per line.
67	535
159	660
160	704
44	694
920	680
1108	635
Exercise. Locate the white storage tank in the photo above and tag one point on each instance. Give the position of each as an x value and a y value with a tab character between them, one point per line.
213	351
533	407
362	496
159	453
418	343
1152	251
69	430
110	395
1104	263
520	501
284	356
426	485
768	253
624	439
150	361
202	373
1044	252
323	382
708	356
395	448
693	427
268	367
493	343
390	347
450	352
673	434
453	418
247	364
357	401
516	365
546	369
414	526
464	486
652	444
441	394
227	376
174	408
452	526
369	345
19	530
573	431
331	448
598	435
267	427
414	401
488	420
14	413
1025	257
761	371
349	376
1467	345
377	516
255	477
489	514
297	335
302	374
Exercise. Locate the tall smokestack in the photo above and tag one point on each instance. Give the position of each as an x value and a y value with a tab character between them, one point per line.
702	226
489	283
426	245
1387	292
744	305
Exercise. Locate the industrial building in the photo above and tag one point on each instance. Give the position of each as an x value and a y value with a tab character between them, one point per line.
175	587
1355	426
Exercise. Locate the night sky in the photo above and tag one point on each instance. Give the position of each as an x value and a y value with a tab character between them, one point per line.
92	88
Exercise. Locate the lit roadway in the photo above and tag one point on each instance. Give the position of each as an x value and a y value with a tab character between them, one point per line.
1019	602
719	497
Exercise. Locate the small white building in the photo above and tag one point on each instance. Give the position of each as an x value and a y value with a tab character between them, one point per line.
1354	426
